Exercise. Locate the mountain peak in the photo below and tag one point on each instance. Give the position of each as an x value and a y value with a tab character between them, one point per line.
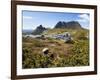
39	30
69	25
40	27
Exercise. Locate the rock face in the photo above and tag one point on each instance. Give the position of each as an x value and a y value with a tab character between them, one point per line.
39	30
69	25
45	51
60	24
65	36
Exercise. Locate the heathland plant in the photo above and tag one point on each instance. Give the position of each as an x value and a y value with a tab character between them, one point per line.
67	54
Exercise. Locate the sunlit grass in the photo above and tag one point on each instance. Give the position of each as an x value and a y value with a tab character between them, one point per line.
65	54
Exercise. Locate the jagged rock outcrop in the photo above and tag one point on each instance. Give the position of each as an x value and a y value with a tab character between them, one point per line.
69	25
39	30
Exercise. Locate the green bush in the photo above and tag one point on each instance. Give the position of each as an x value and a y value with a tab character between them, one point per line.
37	43
79	56
81	35
77	53
80	53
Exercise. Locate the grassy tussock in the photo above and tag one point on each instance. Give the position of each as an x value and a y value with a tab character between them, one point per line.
61	54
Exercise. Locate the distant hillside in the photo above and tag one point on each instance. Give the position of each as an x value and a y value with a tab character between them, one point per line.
39	30
27	31
60	25
68	25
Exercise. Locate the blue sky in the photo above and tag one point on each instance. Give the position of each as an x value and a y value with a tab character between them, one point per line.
32	19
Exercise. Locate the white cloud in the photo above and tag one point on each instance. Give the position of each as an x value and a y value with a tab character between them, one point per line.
27	17
83	19
84	16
